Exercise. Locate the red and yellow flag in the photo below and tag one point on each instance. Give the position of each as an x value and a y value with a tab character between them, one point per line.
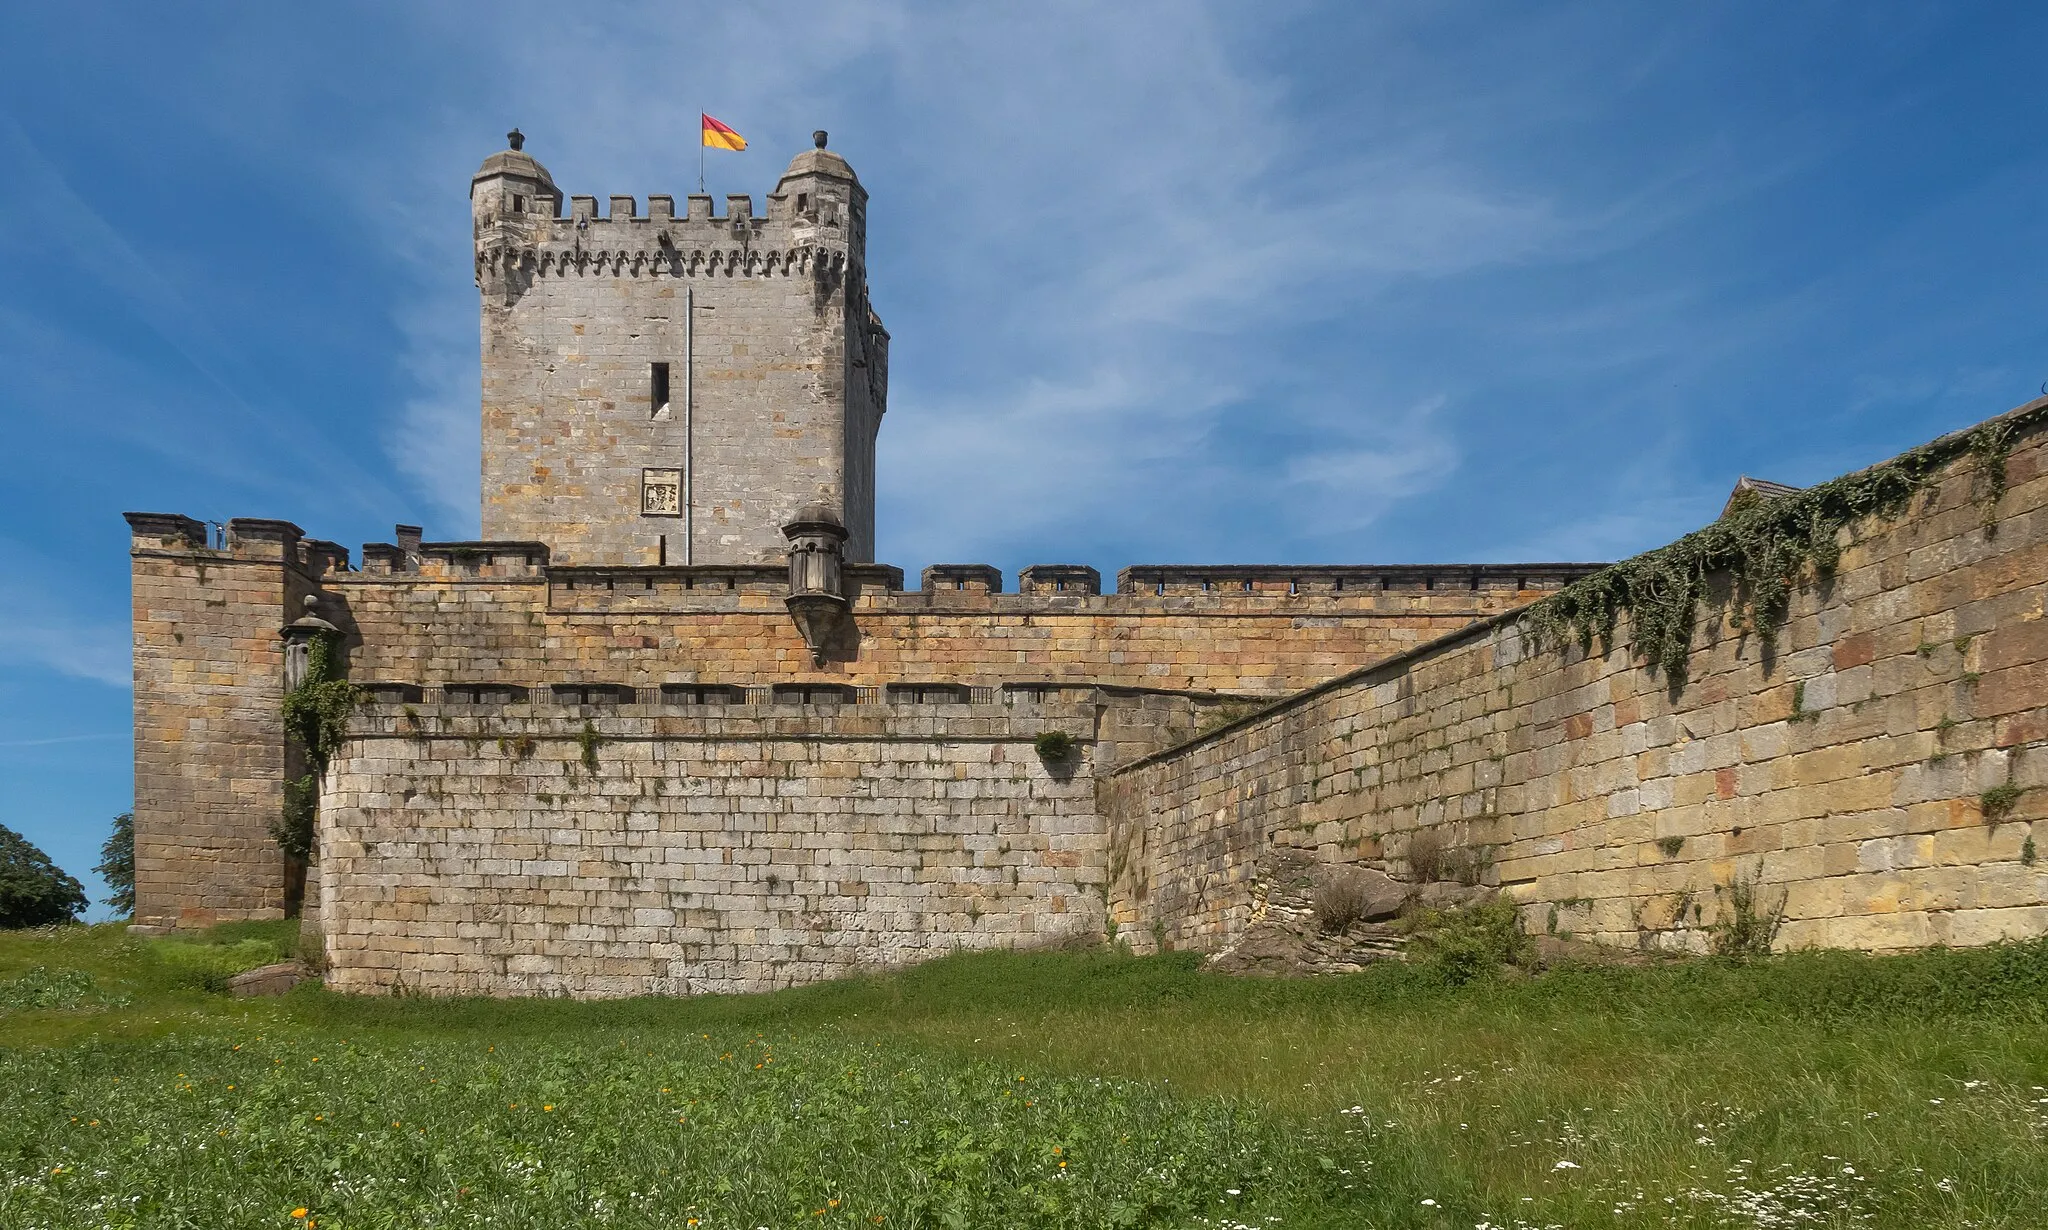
718	136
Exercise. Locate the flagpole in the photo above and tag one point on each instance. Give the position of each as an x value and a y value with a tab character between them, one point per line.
700	153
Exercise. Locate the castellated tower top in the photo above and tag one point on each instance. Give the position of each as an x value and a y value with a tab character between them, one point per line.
670	388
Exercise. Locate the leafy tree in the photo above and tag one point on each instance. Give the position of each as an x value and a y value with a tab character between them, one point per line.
117	863
34	891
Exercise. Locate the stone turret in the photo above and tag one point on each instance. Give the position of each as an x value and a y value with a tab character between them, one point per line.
664	389
511	199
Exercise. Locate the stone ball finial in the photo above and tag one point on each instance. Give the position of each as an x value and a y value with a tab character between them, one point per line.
312	602
817	138
516	138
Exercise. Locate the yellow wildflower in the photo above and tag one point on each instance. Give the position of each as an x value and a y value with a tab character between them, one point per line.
299	1212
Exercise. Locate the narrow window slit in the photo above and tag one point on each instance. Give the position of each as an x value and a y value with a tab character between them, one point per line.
658	390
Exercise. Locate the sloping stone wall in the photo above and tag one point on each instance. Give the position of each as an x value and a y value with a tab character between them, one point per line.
1847	771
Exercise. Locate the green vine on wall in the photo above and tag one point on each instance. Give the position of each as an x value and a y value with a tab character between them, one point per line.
588	741
316	712
316	715
1766	546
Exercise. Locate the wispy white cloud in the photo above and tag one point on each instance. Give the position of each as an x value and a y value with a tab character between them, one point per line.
1097	195
1103	233
44	625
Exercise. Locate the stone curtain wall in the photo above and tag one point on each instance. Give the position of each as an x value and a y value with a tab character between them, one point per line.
212	759
738	850
1849	771
513	623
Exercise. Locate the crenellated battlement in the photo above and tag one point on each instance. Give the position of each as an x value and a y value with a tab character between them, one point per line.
787	242
813	226
1444	590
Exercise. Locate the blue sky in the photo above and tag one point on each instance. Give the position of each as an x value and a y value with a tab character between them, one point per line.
1168	282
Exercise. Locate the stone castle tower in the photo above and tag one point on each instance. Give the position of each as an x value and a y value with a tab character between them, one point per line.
671	390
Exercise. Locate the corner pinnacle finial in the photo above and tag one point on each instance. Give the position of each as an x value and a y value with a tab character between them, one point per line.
818	138
517	138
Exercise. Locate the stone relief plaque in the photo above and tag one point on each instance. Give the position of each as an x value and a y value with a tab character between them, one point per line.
661	493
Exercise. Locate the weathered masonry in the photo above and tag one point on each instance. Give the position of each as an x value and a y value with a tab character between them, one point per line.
670	729
672	389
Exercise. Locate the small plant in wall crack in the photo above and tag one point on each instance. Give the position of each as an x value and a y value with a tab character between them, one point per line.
1997	803
1800	713
1055	746
589	741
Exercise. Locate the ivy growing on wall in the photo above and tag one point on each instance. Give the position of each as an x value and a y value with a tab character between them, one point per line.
1766	547
316	715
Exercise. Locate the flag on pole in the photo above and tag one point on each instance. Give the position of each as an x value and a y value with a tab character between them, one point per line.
718	136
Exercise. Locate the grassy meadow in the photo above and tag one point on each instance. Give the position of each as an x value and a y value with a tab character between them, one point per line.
1079	1089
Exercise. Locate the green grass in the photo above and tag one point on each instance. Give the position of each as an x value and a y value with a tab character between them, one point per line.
1811	1089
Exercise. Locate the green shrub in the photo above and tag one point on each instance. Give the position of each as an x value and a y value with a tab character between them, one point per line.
1746	927
34	892
1465	945
294	829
